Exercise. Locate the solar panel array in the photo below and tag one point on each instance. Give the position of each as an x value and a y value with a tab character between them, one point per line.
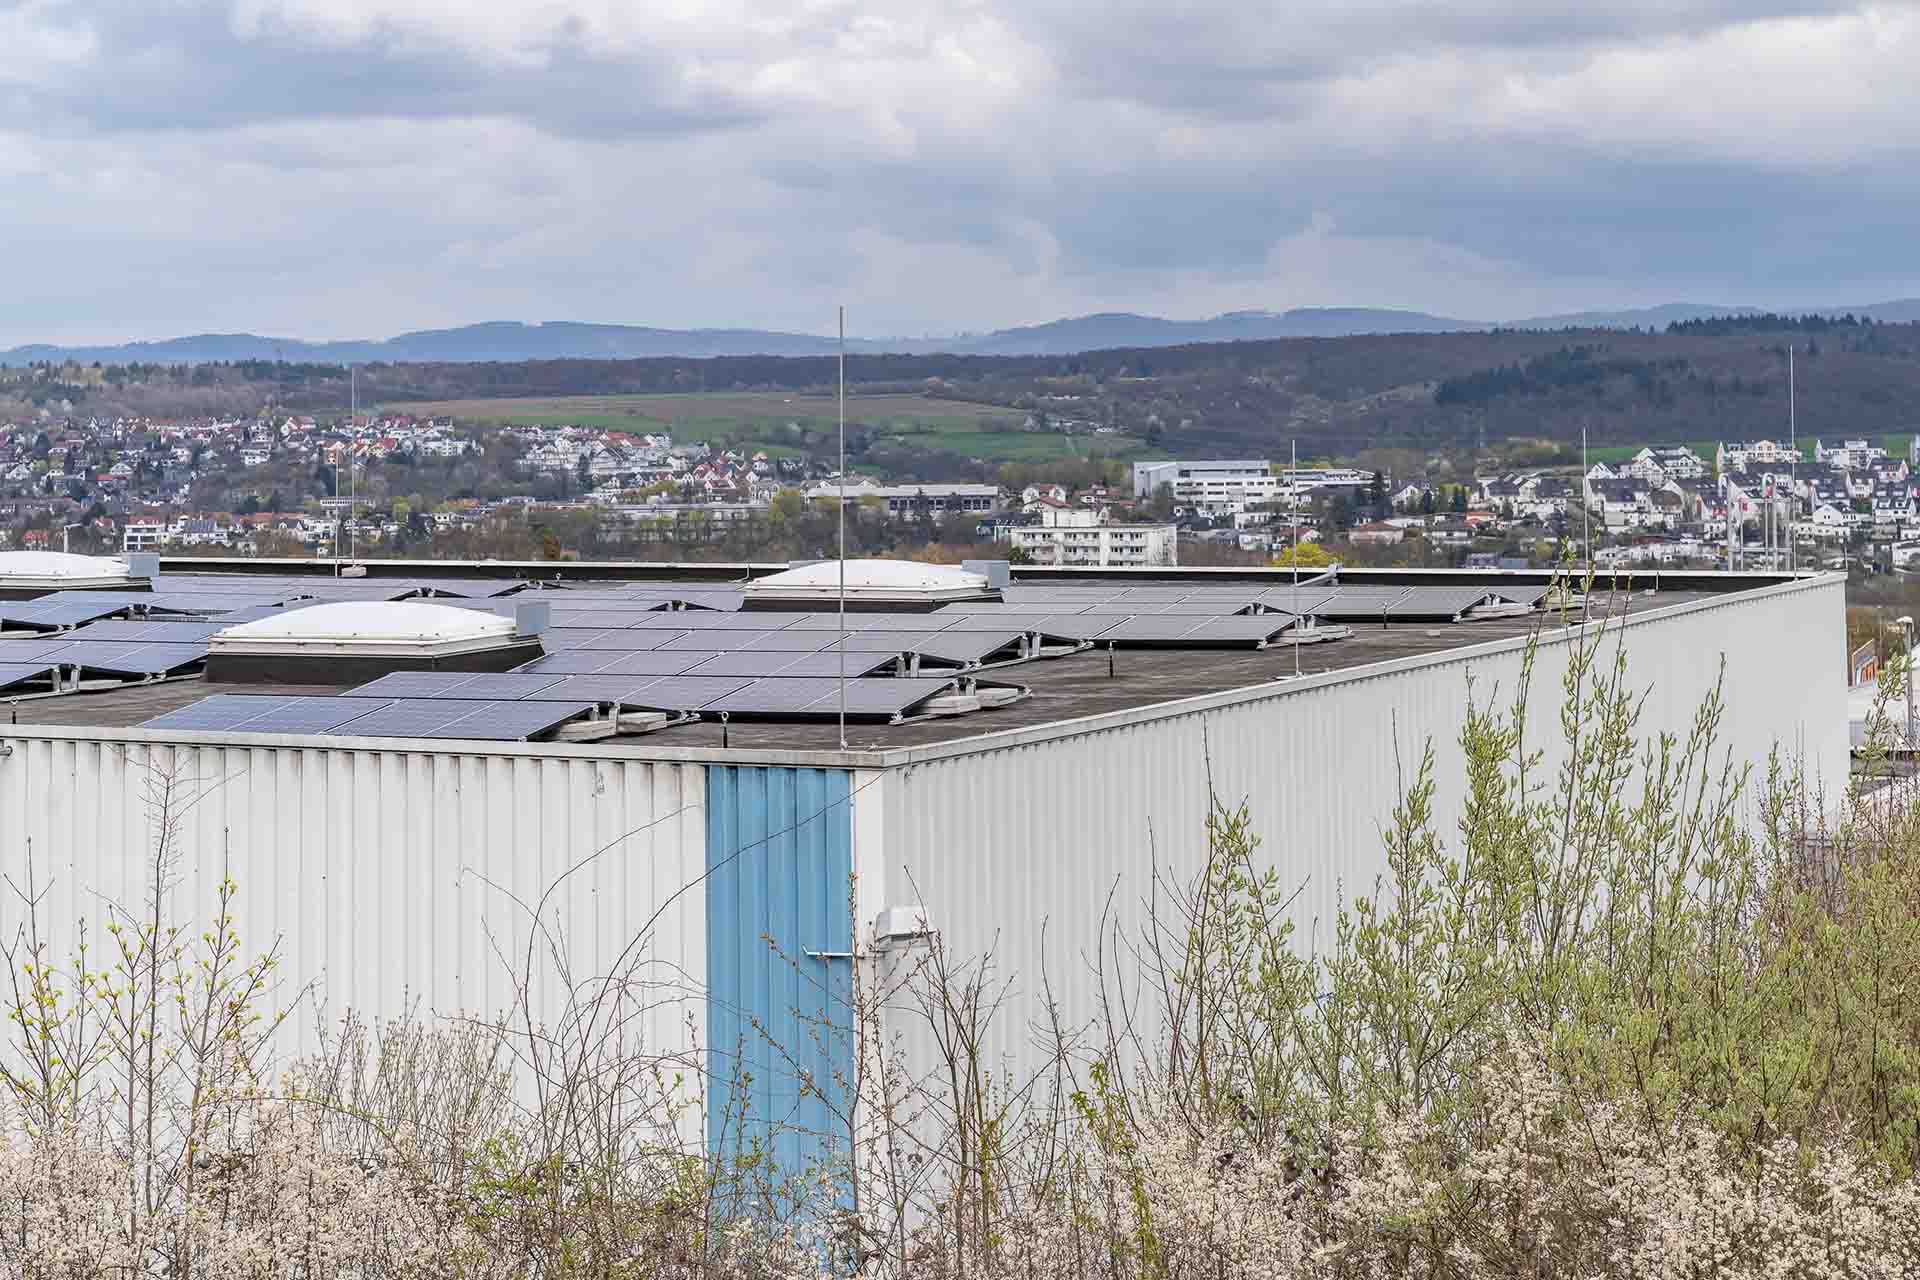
671	646
136	658
58	612
696	662
1368	602
448	705
477	718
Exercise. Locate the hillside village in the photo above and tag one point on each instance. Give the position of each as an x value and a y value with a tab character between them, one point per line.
394	483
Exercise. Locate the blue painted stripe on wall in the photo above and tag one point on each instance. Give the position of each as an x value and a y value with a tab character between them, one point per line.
779	868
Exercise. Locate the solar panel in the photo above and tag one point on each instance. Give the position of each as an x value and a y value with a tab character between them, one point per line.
998	622
136	658
885	641
574	662
208	602
714	641
878	622
54	613
16	652
13	673
685	693
974	646
504	686
328	591
252	713
1224	607
166	632
781	641
791	697
715	620
591	689
758	662
1345	603
412	717
1521	595
309	715
1069	626
497	721
645	662
1256	629
472	588
1188	632
1436	602
559	638
222	711
416	684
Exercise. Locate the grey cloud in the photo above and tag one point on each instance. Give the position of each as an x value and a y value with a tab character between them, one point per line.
185	67
196	174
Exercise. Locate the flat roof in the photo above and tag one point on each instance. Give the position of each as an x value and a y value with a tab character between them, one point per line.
1063	689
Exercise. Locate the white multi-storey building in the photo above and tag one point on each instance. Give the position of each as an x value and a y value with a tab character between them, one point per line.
1240	481
1084	540
143	535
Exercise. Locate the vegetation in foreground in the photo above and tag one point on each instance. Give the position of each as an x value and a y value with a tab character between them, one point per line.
1643	1013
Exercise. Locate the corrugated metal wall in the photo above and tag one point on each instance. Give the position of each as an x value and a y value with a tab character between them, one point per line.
780	865
389	877
1005	843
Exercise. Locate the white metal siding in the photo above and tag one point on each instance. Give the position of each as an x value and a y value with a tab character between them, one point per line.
390	877
1002	843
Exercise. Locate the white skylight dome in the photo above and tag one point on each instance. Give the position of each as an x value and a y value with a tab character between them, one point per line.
369	627
58	571
881	581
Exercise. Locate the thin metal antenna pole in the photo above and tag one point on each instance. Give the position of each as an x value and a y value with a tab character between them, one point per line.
1293	485
353	471
1793	464
1586	504
842	504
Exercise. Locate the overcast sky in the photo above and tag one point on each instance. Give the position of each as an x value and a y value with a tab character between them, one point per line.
354	168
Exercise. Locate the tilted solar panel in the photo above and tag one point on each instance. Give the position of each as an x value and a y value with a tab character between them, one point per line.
973	646
623	638
1191	632
1436	602
166	632
714	620
254	713
809	698
412	717
685	693
591	689
714	641
137	658
54	613
504	686
16	652
642	662
760	662
13	673
416	684
496	721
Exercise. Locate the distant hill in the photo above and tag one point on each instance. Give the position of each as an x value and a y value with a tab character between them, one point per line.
1642	318
1109	330
495	340
509	341
1903	311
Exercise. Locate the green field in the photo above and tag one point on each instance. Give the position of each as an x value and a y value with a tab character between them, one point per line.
784	423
